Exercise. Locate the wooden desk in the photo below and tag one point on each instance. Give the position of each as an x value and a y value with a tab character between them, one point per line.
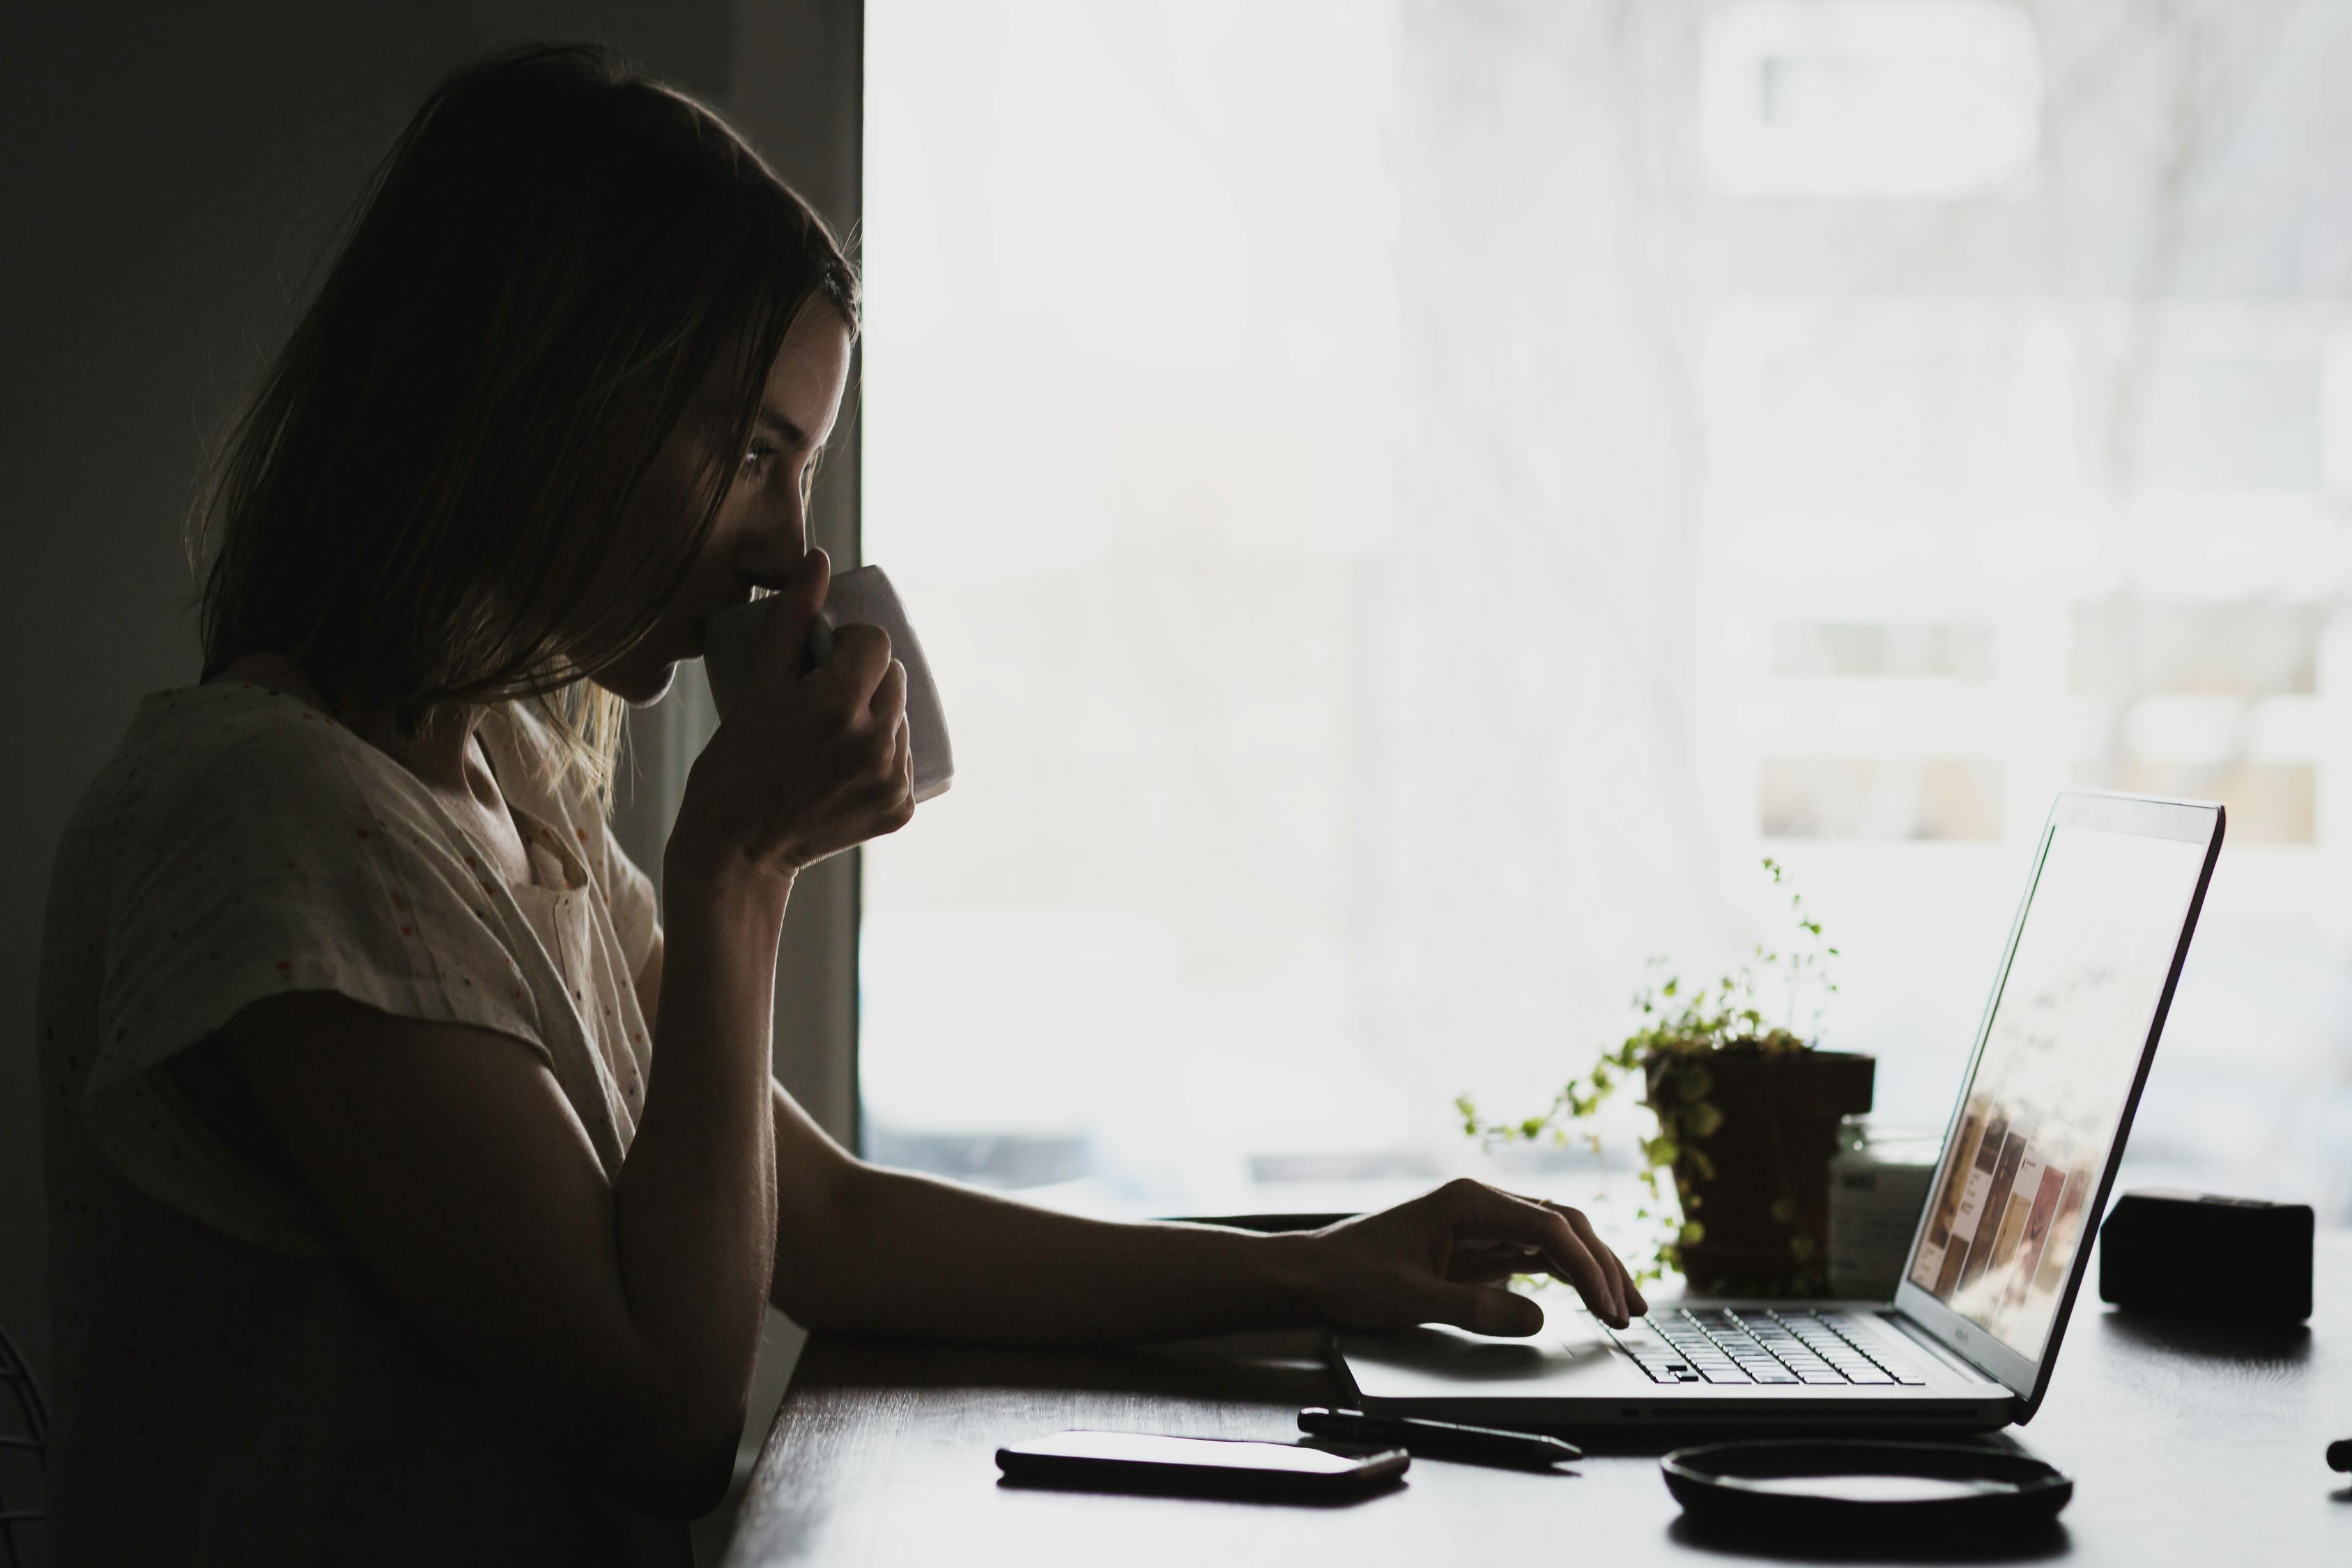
2188	1445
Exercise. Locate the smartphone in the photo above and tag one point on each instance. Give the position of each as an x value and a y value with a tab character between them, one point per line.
1204	1467
863	595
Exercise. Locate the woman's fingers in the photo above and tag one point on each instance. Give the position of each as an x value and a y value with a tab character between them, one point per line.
888	707
1488	1262
1481	1212
801	592
1627	1295
860	664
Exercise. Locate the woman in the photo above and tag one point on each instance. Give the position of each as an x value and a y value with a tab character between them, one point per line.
380	1235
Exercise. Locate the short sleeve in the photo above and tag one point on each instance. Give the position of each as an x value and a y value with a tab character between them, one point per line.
290	863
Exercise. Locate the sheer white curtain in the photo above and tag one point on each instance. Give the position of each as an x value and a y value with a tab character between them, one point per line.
1411	501
1540	760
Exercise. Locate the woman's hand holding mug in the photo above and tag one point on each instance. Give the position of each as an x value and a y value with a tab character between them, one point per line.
807	761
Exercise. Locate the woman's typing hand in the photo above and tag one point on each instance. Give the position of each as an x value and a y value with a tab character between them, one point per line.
1444	1259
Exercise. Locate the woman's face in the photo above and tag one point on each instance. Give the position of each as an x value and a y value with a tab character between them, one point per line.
762	531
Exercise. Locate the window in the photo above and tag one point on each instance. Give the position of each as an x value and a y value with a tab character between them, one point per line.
1919	99
1408	504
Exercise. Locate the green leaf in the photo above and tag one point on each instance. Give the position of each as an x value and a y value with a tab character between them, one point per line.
1784	1209
1691	1234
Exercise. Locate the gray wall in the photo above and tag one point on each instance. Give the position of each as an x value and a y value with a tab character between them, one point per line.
168	172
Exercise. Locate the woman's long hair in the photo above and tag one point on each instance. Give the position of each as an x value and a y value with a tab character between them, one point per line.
546	267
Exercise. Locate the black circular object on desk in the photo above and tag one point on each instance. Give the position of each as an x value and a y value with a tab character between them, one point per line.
1810	1487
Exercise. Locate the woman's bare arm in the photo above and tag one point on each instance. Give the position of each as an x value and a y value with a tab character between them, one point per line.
872	1250
866	1249
458	1171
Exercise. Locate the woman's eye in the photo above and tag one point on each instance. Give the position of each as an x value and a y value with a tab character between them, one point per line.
756	460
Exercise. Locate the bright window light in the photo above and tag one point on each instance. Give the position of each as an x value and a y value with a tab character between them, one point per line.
1401	530
1928	99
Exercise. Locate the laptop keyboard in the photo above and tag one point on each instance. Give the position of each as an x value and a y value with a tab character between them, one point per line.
1721	1344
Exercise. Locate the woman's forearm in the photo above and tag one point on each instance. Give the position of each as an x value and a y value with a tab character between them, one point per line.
695	1205
890	1252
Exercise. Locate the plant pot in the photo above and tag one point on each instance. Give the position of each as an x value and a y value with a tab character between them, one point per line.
1758	1182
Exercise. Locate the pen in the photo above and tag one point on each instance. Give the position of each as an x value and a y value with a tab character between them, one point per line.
1437	1439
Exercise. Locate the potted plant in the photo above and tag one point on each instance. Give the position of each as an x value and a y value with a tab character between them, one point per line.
1747	1114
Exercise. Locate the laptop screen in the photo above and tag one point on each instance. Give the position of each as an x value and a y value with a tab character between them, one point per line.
2062	1050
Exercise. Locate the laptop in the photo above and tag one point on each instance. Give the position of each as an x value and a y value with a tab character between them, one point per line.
1969	1341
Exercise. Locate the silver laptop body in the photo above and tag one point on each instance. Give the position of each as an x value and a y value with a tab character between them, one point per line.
1968	1342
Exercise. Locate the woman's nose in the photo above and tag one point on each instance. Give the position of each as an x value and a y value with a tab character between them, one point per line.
774	551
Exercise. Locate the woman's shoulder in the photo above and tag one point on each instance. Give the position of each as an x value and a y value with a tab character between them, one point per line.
230	739
230	758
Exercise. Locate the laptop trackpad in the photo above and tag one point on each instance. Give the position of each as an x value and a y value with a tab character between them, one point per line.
1570	1358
